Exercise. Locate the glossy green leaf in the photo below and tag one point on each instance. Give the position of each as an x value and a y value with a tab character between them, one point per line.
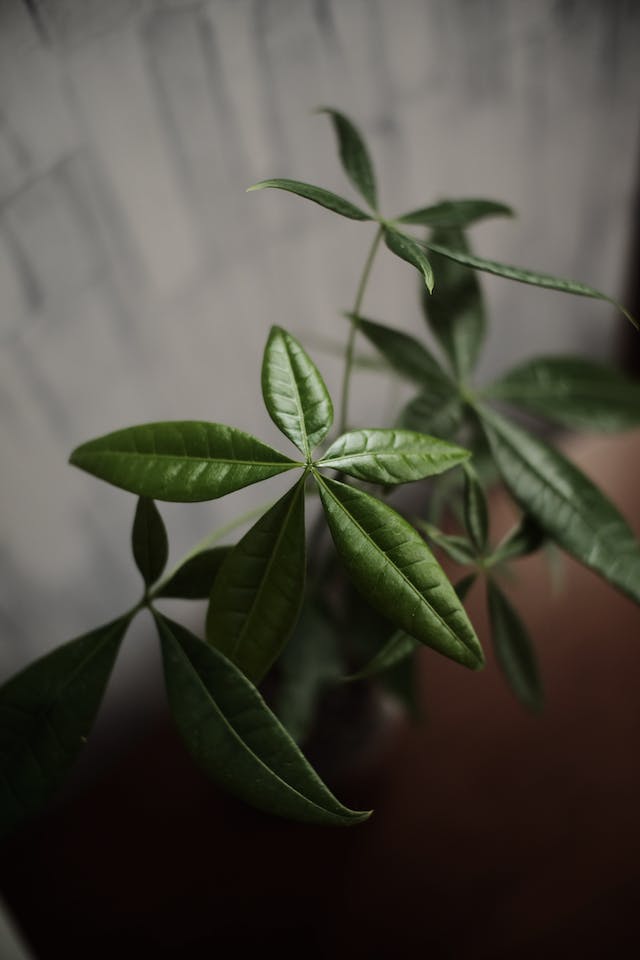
182	461
456	213
526	276
458	548
325	198
46	714
399	646
476	512
408	249
572	510
194	579
407	356
392	566
513	648
354	155
455	311
149	541
391	456
526	537
294	392
433	412
572	391
258	591
234	737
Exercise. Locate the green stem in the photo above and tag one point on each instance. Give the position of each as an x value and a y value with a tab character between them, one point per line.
349	354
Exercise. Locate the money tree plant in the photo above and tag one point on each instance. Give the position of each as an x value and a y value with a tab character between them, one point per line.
243	695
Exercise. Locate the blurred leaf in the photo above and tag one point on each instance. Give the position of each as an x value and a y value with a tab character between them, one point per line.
391	456
407	249
526	537
149	541
408	356
458	548
432	412
514	651
194	579
456	213
397	647
476	511
462	587
325	198
354	155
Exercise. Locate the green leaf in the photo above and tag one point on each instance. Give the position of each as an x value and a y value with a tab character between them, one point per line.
327	199
432	412
399	646
392	566
408	249
527	276
181	461
455	311
46	714
257	594
573	391
456	213
458	548
565	503
149	541
294	392
526	537
476	513
391	456
463	586
234	737
354	155
514	651
407	355
194	579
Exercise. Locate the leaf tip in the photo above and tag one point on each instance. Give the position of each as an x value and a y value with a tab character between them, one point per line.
256	186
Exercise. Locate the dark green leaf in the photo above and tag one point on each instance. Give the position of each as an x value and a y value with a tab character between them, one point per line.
572	510
46	714
183	461
476	513
257	594
455	311
399	646
408	249
354	155
294	392
194	579
408	356
514	651
572	391
432	412
458	548
149	541
391	456
526	537
392	566
234	737
327	199
463	586
456	213
527	276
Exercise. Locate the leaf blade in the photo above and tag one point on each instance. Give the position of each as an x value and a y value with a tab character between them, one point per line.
149	541
408	249
324	198
406	355
354	155
398	647
456	213
194	579
514	651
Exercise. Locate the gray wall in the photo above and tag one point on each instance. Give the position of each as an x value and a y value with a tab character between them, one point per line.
138	280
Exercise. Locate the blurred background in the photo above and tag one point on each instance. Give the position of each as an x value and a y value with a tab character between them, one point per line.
138	280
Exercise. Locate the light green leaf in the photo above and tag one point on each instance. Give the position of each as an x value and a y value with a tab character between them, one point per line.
194	579
458	548
572	391
408	356
149	541
527	276
572	510
476	512
325	198
234	737
182	461
514	651
392	566
257	594
391	456
354	155
294	392
46	714
399	646
455	311
456	213
408	249
526	537
433	412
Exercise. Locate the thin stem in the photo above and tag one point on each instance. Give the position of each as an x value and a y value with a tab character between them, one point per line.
349	354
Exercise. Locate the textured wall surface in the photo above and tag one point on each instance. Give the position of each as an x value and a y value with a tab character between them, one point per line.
138	280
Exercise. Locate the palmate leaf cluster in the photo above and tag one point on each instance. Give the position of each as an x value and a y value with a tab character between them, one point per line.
263	616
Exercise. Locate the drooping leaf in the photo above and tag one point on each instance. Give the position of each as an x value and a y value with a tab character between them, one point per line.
234	737
408	356
565	503
458	548
526	537
513	648
294	392
46	714
456	213
354	155
455	311
476	512
194	579
257	594
408	249
432	412
393	567
391	456
398	646
149	541
527	276
182	461
325	198
574	391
